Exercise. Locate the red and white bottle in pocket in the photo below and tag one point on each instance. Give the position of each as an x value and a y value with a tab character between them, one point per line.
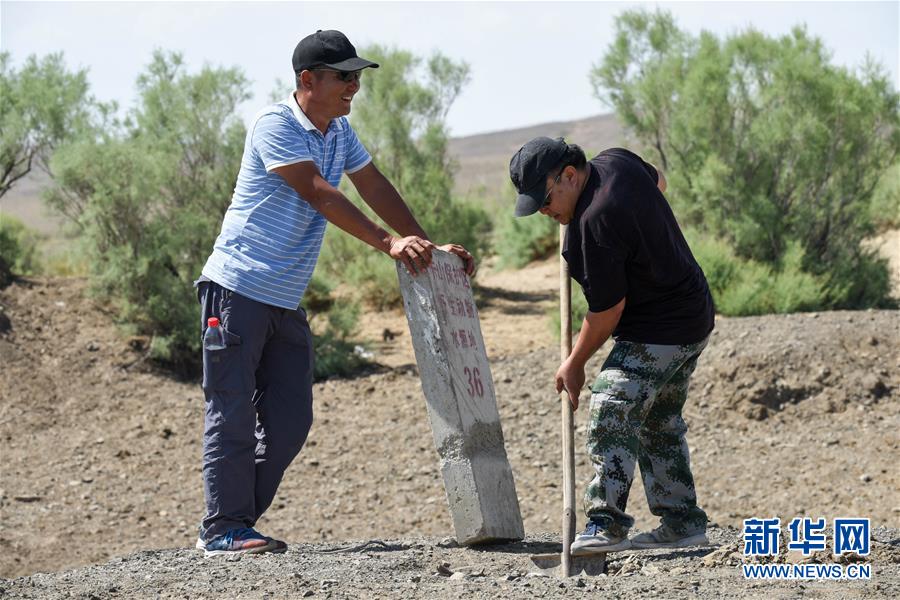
214	338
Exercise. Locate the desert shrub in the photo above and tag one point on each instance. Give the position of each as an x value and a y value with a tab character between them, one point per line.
766	144
18	249
34	123
149	192
885	207
579	308
335	350
518	241
68	257
743	287
860	279
370	275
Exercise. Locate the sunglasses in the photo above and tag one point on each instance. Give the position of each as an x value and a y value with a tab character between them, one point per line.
547	196
345	76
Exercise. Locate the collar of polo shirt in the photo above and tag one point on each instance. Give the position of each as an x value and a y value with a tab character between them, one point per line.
304	120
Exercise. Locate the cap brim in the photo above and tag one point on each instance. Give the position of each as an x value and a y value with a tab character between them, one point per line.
352	64
530	201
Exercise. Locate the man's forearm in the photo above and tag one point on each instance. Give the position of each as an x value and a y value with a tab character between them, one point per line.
306	180
337	209
382	197
387	204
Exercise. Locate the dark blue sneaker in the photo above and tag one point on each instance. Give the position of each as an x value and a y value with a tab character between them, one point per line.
278	547
241	541
597	538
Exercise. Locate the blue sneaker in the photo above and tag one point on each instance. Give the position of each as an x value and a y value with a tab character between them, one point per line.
597	538
240	541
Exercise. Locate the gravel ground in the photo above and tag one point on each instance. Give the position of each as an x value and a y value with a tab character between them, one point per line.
431	568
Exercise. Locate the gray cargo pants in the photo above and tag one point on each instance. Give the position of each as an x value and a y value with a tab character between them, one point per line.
258	405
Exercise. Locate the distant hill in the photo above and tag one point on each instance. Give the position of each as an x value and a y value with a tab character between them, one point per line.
483	166
484	158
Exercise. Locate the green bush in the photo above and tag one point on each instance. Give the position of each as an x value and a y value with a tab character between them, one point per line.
66	257
34	123
860	279
372	275
18	249
742	287
885	208
148	236
334	348
579	308
518	241
767	146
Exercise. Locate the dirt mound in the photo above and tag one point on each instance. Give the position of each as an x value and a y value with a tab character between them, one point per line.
805	363
790	416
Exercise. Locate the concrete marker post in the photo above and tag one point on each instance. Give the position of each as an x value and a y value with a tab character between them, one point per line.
459	393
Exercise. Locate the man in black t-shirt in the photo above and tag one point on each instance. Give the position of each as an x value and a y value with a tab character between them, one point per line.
643	287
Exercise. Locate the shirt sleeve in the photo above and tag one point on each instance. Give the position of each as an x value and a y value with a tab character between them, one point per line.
651	170
605	283
357	155
277	142
605	253
648	168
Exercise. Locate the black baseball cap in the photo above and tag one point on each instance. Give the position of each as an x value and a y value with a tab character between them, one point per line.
529	168
330	49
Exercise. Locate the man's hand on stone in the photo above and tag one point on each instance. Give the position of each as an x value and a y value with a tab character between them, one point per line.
413	251
570	377
468	259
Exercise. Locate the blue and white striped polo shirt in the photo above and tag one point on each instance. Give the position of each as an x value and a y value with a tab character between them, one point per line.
270	238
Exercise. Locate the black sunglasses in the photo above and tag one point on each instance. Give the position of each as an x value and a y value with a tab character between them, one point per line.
547	196
345	76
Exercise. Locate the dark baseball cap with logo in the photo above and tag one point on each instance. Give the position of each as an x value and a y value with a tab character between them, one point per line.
329	49
529	168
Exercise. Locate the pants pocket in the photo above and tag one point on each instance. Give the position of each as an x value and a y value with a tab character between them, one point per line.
223	369
614	362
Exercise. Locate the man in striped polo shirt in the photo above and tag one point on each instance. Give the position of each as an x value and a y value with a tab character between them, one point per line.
259	387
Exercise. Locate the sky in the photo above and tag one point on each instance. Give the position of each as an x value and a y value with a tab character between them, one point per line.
529	60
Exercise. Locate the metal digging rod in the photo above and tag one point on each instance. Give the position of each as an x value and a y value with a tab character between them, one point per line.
568	565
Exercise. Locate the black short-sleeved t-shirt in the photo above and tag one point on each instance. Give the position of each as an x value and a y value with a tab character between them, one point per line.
624	242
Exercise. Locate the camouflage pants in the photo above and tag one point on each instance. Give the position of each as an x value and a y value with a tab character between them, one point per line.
635	417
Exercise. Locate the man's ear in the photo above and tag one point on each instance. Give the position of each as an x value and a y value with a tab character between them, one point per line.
570	172
305	80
